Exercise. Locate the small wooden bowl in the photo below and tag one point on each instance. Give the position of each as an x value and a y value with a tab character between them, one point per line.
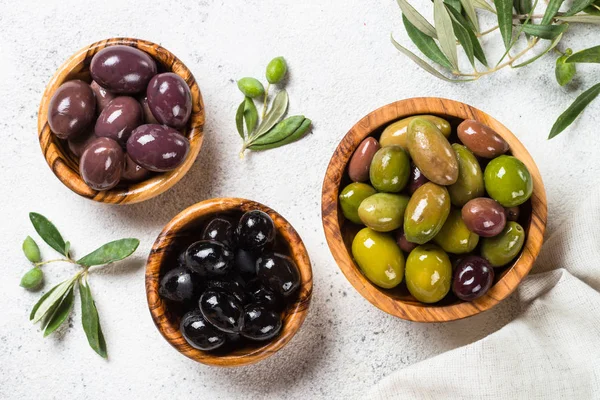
66	166
339	232
184	228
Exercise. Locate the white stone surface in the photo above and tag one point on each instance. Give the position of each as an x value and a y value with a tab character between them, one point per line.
342	66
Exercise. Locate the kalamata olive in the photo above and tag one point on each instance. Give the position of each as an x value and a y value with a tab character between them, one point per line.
222	310
245	262
79	144
260	323
157	147
278	273
134	172
122	69
473	277
416	179
72	109
512	213
103	96
229	286
209	258
403	242
180	284
169	99
120	117
482	140
148	117
259	294
484	216
221	230
255	231
199	333
102	163
358	167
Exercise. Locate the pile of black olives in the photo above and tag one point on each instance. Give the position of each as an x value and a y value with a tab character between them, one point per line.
124	125
232	285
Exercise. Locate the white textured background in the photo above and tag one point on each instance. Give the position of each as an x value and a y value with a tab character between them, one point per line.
342	66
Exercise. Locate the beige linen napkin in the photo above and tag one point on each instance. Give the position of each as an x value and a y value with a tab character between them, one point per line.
550	351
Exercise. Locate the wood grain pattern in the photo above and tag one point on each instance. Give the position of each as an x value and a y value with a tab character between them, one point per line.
339	233
168	324
66	166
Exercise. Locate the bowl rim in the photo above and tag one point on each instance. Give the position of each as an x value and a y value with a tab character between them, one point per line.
331	215
158	308
63	164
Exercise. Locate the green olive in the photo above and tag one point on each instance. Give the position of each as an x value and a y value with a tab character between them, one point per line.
431	152
428	273
503	248
395	134
378	257
469	184
351	197
426	213
390	169
455	237
276	70
508	181
383	212
251	87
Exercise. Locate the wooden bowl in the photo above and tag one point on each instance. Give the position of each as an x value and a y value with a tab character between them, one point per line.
66	166
183	229
339	232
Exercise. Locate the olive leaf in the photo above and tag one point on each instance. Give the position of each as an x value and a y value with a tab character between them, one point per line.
60	314
571	113
110	252
586	19
564	72
250	115
483	4
239	118
277	111
471	13
462	34
454	4
545	31
48	232
551	10
90	319
477	49
578	5
417	19
504	9
425	44
591	55
593	9
523	6
549	48
287	131
443	25
50	299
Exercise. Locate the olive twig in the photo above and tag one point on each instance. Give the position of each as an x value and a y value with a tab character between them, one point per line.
67	260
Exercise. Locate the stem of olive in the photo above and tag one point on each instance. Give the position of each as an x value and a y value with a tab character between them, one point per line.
67	260
264	110
480	34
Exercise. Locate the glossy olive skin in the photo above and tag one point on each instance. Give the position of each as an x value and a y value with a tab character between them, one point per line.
482	140
222	310
179	284
148	117
220	229
351	197
512	213
428	273
390	169
81	142
101	164
378	257
119	118
358	167
469	184
199	333
396	133
484	216
103	96
229	286
431	152
122	69
133	172
416	179
473	277
403	242
426	213
209	258
455	237
259	294
72	109
255	231
245	263
507	180
169	99
157	148
260	323
278	273
383	212
503	248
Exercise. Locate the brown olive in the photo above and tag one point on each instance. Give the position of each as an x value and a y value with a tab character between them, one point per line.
484	216
72	109
482	140
358	168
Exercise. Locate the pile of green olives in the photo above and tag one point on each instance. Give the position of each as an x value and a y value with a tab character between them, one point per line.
440	207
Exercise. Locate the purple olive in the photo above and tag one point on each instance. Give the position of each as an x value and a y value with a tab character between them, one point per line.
170	99
157	147
512	213
72	109
416	180
103	96
80	143
122	69
133	172
102	163
403	242
473	277
484	216
148	117
120	117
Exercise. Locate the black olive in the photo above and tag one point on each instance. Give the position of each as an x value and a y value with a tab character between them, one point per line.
278	273
245	263
180	284
230	286
209	258
222	310
199	333
260	323
220	230
257	293
255	231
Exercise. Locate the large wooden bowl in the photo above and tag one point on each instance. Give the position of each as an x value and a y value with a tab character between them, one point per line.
339	232
66	166
183	229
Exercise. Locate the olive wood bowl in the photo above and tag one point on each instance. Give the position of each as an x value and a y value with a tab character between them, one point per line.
339	232
66	166
184	228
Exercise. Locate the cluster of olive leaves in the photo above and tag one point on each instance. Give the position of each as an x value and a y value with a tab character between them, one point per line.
456	24
270	132
54	307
